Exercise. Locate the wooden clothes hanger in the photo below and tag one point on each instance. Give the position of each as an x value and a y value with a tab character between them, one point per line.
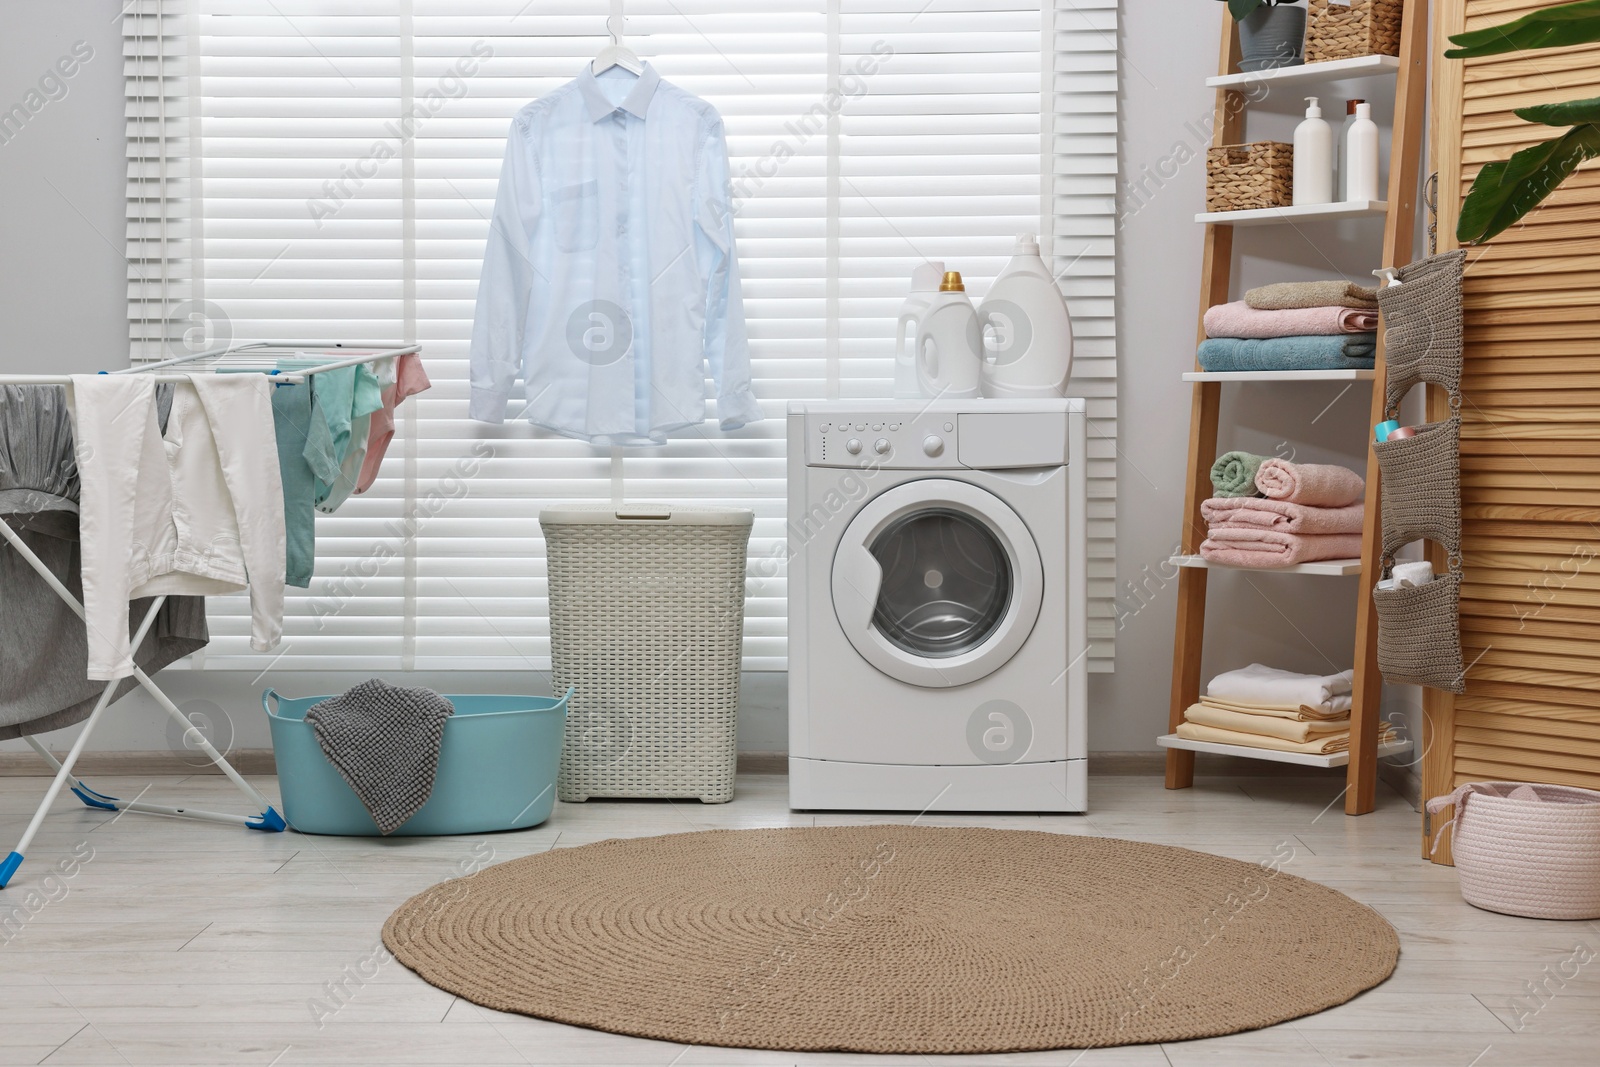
616	54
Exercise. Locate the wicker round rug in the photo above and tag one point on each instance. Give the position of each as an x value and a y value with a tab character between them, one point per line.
894	939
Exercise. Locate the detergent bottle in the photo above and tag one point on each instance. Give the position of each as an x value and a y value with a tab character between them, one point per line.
1027	332
949	346
924	288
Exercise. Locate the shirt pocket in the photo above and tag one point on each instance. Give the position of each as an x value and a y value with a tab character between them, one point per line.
577	211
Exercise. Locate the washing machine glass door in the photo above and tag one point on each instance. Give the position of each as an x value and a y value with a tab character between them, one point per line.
937	582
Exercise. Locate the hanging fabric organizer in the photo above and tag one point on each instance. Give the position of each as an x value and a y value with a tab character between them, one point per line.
1419	635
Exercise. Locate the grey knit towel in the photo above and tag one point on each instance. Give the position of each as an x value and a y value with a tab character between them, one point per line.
384	741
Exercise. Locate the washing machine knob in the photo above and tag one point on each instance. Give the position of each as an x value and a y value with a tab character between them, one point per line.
881	445
853	446
933	444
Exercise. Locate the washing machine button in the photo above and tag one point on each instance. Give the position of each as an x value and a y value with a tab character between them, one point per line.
881	446
933	445
949	427
853	446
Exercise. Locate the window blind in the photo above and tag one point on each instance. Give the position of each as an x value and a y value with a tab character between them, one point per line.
311	169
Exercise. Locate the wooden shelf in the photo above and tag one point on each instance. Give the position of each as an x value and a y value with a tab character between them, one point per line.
1310	73
1334	567
1270	216
1279	375
1305	759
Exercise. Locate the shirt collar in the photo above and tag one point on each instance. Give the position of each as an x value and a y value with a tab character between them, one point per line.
637	102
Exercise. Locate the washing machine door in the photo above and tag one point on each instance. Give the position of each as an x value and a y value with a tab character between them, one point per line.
937	582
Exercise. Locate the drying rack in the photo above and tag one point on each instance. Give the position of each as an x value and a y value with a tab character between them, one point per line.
244	356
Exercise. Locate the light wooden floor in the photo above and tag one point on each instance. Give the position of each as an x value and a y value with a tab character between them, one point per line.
184	943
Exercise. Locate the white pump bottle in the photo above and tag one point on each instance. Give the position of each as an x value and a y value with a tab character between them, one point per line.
1361	156
1313	158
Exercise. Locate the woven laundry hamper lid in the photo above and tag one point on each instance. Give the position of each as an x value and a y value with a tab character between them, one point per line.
664	514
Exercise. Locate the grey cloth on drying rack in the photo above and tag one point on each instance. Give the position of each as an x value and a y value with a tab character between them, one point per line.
384	741
44	662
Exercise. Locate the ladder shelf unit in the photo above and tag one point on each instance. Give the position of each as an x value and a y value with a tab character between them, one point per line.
1398	211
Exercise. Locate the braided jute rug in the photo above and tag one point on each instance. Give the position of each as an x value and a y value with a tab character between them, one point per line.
895	939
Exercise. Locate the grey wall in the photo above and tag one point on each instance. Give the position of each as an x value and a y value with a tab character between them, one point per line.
62	278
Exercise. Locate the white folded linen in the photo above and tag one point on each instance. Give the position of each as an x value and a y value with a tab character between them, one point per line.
1260	684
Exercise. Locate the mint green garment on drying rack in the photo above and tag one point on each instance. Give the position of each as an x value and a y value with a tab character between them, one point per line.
337	443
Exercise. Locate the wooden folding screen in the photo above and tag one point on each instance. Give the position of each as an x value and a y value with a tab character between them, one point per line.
1530	465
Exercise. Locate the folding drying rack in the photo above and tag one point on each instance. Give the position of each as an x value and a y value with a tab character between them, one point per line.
233	358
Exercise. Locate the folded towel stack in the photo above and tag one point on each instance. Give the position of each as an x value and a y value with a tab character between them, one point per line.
1293	326
1263	707
1302	512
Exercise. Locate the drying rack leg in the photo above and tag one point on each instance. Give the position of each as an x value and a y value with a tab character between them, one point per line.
269	820
64	769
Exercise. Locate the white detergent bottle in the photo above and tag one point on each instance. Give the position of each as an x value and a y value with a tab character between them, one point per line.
949	346
1027	332
1313	158
924	288
1361	156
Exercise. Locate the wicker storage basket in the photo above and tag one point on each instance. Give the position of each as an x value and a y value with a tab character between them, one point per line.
1240	177
1344	30
1524	849
646	621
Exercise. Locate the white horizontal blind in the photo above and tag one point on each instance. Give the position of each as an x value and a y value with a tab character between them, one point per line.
1081	179
345	157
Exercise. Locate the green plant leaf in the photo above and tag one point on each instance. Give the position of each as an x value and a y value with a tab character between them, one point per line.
1241	9
1504	191
1569	113
1551	27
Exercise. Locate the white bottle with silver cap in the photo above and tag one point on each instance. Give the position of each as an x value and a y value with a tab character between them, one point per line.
1027	331
924	288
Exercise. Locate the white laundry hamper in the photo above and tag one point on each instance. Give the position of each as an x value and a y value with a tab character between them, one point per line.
1526	849
646	624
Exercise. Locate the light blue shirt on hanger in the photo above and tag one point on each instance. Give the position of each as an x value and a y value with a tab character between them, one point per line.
610	283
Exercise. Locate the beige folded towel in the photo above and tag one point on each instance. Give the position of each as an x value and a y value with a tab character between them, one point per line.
1285	295
1321	746
1266	725
1336	708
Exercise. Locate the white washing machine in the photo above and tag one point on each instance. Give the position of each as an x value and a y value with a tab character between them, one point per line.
938	642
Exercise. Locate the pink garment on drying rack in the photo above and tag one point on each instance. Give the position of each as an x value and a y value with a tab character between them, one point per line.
1239	319
1272	548
409	379
1255	513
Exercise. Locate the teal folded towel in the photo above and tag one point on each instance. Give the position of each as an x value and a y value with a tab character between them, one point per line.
1234	474
1351	351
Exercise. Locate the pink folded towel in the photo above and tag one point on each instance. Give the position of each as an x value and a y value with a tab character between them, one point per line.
1273	548
1285	516
1321	485
1239	319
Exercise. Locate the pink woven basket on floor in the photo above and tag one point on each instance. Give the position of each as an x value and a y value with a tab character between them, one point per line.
1526	849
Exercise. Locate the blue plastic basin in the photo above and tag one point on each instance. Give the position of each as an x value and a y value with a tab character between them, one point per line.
497	769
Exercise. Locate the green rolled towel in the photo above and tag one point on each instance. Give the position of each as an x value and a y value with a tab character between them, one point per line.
1234	474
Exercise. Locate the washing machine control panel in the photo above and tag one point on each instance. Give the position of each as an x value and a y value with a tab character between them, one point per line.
898	441
937	440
